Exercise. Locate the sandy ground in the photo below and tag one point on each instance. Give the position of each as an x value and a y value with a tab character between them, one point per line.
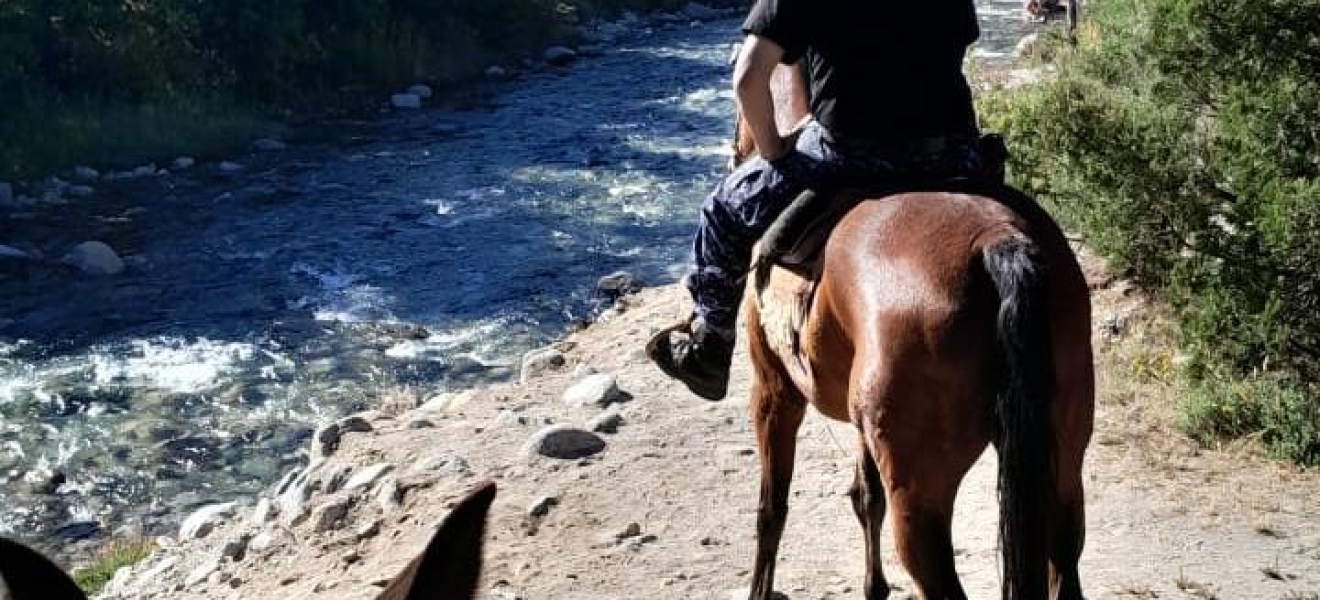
1165	518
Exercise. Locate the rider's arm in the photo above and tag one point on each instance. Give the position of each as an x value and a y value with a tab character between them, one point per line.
751	82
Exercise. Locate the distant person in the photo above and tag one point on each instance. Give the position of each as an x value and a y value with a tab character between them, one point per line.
889	101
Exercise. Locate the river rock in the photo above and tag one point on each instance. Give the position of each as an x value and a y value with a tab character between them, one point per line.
564	442
695	10
421	90
326	440
617	284
539	362
81	191
560	56
95	258
86	174
406	101
183	163
606	422
367	477
204	520
12	252
595	390
329	514
269	145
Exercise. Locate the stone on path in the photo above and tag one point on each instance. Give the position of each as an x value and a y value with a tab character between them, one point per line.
539	362
204	520
600	389
94	258
329	514
406	101
367	477
560	56
564	442
606	422
541	506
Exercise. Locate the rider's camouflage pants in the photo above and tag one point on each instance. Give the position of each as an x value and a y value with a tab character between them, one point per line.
743	207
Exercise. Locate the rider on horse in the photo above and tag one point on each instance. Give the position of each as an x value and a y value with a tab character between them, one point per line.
889	102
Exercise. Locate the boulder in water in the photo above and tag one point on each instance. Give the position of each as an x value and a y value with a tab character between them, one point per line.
94	258
560	56
406	101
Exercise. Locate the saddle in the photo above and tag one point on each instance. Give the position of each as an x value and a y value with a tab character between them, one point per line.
788	260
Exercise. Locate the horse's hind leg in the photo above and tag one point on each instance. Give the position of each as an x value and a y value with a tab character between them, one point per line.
777	411
868	499
1073	423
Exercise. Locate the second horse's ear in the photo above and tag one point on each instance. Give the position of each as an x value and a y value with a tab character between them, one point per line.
30	576
450	567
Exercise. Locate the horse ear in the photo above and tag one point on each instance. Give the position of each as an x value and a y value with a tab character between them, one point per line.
450	567
30	576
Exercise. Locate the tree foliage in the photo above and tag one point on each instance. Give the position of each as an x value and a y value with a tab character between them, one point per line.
1184	137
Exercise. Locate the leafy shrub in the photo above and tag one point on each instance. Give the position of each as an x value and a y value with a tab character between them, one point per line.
1183	136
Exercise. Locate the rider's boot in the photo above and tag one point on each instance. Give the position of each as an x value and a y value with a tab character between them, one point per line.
696	355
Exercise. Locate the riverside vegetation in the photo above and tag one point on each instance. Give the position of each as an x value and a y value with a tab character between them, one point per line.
1183	137
118	82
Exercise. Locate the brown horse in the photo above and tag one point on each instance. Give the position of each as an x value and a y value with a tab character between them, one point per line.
937	323
448	569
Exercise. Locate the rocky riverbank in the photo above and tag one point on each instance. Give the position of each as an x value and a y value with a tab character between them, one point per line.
616	484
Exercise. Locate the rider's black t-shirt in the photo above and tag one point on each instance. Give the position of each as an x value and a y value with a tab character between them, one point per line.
881	70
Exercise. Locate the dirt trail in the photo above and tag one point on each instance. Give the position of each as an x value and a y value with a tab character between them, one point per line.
1165	519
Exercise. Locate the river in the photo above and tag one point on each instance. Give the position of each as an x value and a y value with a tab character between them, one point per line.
425	251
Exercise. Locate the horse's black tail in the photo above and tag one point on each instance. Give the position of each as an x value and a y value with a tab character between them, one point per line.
30	576
1026	437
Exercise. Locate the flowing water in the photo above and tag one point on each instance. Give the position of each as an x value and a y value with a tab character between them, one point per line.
429	250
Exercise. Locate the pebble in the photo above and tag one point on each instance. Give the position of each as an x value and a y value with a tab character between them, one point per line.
368	530
541	507
442	462
329	514
539	362
560	56
600	389
406	101
606	422
203	572
368	477
94	258
420	423
563	442
632	530
204	520
388	496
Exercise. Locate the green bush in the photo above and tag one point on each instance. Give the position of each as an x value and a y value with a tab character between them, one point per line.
1183	136
64	63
